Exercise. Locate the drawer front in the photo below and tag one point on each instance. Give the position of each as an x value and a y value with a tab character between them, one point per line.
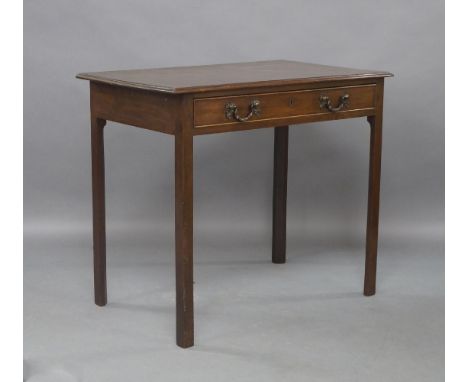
219	111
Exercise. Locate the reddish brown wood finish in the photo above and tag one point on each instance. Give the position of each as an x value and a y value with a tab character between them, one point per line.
184	223
164	100
99	211
209	112
135	107
228	77
280	186
373	199
328	116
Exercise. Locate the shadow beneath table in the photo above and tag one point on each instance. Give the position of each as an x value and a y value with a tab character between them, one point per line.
132	307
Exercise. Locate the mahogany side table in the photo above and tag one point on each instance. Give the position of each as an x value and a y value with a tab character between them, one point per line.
198	100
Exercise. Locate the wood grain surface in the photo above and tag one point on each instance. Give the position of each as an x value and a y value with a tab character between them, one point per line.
196	79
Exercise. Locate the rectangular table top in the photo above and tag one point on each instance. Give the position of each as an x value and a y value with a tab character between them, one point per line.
194	79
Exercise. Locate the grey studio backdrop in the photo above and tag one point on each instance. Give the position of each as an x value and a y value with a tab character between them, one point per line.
306	319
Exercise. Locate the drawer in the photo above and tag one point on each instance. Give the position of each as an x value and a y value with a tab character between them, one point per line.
231	110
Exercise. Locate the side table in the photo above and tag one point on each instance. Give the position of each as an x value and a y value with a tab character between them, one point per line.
190	101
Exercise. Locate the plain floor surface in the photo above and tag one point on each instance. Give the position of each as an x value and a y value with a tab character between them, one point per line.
306	320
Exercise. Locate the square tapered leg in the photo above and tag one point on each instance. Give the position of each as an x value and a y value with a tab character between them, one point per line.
184	236
280	185
372	232
99	211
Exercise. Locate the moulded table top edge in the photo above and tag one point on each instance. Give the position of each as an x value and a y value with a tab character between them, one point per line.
205	78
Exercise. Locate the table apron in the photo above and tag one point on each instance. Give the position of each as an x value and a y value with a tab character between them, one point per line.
242	112
298	119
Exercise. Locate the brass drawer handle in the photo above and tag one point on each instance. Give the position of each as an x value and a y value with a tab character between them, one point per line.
232	112
325	102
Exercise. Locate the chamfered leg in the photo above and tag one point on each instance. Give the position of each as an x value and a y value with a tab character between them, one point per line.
184	234
99	211
373	203
280	185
